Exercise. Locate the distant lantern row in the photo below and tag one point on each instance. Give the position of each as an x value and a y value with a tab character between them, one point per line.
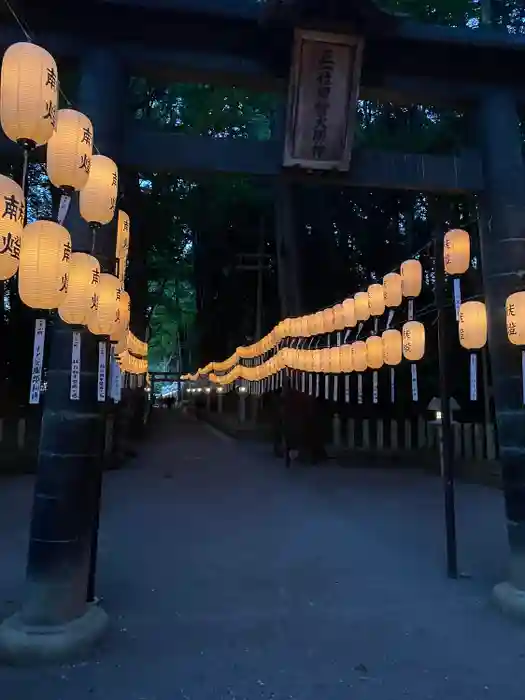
359	356
51	275
358	309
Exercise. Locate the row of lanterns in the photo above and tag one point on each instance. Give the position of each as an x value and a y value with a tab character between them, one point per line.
388	349
50	275
351	312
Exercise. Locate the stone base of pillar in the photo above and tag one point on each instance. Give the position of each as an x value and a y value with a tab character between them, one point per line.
22	644
510	600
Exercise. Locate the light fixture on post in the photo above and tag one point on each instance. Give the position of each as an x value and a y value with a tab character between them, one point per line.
392	356
414	350
374	360
472	329
359	363
411	283
28	97
43	277
456	259
98	199
11	226
69	154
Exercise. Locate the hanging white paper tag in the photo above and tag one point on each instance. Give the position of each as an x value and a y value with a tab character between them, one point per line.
114	391
359	329
38	361
117	387
101	384
457	295
473	376
360	388
375	387
310	384
390	318
74	386
326	386
336	387
376	325
410	309
317	384
303	382
338	338
347	333
413	374
63	208
347	388
392	385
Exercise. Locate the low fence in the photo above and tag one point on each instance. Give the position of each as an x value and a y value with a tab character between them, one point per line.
472	441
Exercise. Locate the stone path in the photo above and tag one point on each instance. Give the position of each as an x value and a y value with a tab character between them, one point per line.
230	578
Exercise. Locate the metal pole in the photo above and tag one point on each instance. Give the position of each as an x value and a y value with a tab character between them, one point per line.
446	418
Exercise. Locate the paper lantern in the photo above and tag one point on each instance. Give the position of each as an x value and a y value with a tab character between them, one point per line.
334	360
411	278
374	352
103	312
69	151
392	286
328	320
12	214
347	364
392	347
98	199
28	94
317	361
84	276
349	313
319	322
45	255
123	317
515	315
472	325
413	341
456	252
339	317
359	361
362	309
376	299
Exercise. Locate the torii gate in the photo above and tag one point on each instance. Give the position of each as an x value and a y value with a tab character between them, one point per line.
247	42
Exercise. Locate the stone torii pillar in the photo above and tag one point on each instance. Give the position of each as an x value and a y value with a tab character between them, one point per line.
55	622
503	258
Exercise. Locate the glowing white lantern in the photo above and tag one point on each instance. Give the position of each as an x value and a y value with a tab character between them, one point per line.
43	274
98	199
103	316
411	278
472	325
456	252
84	276
28	94
12	213
413	341
362	309
69	151
376	299
392	285
392	347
